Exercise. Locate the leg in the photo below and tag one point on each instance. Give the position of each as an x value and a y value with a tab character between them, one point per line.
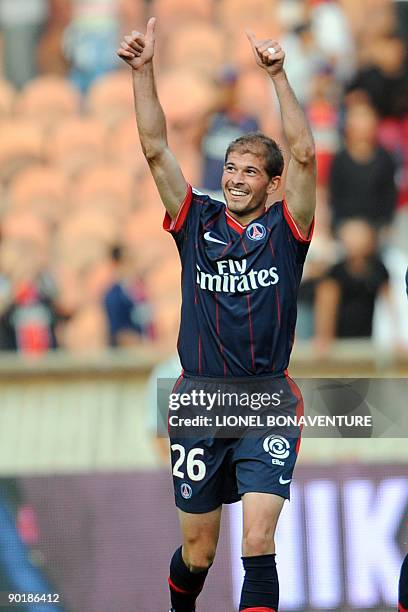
403	587
190	563
260	590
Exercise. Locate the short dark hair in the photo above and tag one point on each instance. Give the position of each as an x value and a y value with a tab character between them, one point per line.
263	146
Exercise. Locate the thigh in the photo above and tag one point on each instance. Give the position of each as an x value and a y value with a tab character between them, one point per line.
203	474
261	512
203	527
266	464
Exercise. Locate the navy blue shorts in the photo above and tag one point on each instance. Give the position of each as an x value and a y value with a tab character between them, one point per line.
210	470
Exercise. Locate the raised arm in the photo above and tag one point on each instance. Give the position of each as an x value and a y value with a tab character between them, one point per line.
301	175
137	51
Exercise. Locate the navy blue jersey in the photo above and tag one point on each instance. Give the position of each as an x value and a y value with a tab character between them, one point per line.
239	288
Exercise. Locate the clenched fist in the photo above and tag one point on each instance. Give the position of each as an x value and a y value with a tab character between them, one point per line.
138	49
268	54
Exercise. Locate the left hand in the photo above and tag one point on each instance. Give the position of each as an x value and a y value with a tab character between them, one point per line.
270	61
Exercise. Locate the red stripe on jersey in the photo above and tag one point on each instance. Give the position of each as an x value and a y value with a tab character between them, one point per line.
217	325
234	224
199	354
276	286
175	225
294	227
401	608
251	330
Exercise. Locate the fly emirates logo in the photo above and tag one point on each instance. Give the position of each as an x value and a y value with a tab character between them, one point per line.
233	277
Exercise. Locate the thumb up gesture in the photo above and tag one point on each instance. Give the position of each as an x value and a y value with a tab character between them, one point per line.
137	49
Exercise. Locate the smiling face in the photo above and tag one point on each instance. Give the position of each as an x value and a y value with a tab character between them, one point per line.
246	185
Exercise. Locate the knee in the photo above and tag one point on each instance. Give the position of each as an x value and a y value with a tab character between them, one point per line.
257	542
198	554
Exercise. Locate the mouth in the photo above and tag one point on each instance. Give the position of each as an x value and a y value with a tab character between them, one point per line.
237	193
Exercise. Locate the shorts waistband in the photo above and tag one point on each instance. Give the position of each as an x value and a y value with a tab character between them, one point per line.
236	379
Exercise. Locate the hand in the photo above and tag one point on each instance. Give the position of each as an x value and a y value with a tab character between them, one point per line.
138	49
270	61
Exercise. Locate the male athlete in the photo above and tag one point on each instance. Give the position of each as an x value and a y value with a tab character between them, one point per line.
242	263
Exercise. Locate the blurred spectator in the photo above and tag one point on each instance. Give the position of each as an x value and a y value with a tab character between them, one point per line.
321	256
224	125
91	39
303	60
323	113
362	183
50	53
333	36
385	81
127	309
21	26
346	297
28	313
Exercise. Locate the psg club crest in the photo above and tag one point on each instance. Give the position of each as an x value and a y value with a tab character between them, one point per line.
256	231
186	490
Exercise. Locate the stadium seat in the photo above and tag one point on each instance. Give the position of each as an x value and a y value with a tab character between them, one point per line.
131	12
48	100
185	48
170	13
185	95
86	331
110	98
104	187
24	226
259	15
124	147
7	99
91	228
21	144
42	190
77	143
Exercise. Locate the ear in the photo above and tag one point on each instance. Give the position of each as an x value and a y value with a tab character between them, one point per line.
274	184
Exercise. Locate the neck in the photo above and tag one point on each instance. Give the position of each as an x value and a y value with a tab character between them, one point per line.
361	151
246	218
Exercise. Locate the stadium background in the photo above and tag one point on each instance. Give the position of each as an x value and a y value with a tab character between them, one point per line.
85	496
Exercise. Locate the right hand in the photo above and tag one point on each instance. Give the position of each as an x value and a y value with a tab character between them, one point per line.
138	49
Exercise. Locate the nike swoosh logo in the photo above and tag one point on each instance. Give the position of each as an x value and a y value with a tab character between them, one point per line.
282	481
207	236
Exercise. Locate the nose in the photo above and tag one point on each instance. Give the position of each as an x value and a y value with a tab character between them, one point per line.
238	177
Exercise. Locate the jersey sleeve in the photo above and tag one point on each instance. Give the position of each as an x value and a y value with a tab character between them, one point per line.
297	242
193	211
294	228
174	225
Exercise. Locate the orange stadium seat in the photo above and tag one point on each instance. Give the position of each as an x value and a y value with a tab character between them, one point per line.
7	99
85	231
48	100
77	143
167	320
21	143
254	93
27	227
131	14
86	330
104	187
110	98
124	147
199	46
185	95
170	13
41	190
